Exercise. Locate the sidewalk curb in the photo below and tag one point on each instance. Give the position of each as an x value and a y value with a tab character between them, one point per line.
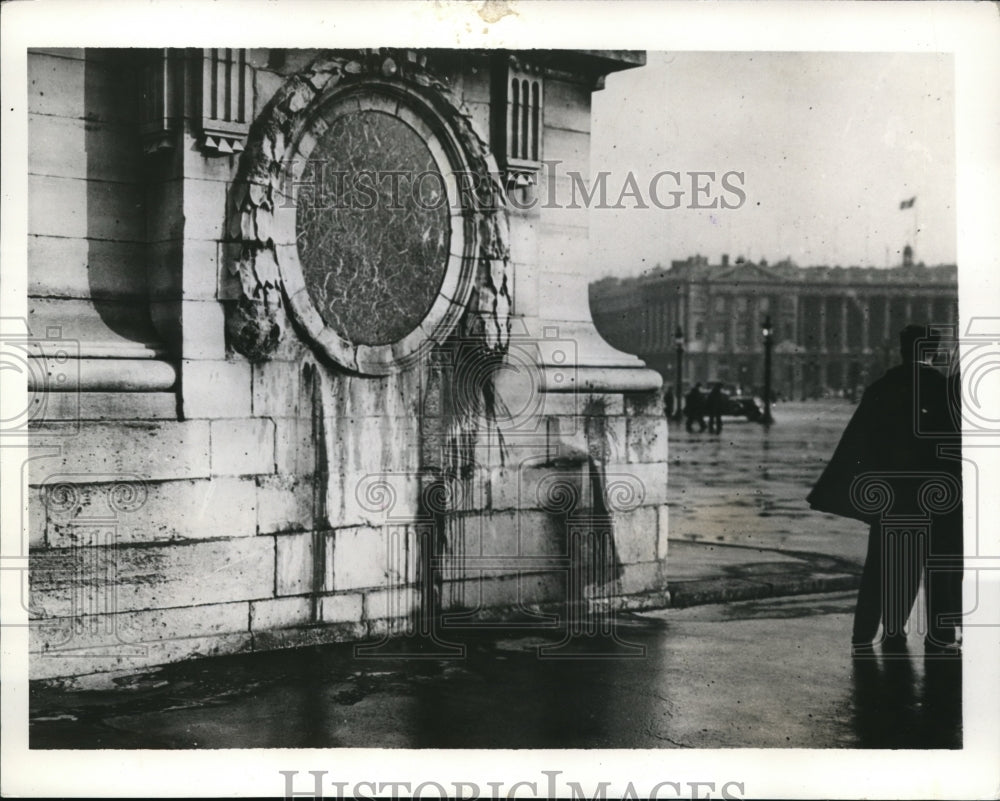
699	592
724	589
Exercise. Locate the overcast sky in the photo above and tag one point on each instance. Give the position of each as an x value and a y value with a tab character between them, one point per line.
829	144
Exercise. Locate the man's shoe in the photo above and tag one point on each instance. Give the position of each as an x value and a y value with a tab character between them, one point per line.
942	649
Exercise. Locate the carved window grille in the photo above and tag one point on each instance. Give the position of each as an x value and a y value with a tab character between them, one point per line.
226	99
522	117
517	129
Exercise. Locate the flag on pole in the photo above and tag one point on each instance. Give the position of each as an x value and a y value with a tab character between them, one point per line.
908	204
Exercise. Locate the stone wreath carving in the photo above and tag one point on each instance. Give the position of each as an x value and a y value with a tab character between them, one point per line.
396	88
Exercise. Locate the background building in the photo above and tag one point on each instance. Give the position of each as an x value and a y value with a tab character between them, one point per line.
835	328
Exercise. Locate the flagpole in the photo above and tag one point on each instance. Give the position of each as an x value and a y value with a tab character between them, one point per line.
912	204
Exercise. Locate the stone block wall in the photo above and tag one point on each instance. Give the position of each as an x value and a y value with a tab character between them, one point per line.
185	501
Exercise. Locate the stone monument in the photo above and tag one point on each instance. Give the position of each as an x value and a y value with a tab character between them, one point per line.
328	370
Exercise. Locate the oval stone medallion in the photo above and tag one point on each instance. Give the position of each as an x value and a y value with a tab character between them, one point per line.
372	227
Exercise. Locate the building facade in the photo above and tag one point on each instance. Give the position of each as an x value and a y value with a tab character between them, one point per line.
834	329
299	368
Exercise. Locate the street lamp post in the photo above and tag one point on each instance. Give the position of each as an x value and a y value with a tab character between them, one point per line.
767	419
679	349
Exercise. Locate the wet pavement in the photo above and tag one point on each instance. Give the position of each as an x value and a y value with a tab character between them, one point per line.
769	673
748	485
740	526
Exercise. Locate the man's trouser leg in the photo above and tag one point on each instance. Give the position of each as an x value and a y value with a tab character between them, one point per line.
868	612
944	582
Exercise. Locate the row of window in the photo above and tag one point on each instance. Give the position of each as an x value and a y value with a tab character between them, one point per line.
821	322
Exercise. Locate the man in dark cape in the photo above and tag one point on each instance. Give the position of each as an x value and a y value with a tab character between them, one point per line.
892	445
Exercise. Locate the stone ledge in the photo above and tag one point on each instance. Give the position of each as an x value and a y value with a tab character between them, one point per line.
105	375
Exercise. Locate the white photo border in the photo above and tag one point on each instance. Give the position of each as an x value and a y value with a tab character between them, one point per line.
969	31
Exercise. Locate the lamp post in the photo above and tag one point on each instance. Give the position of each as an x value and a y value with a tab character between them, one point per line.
679	349
767	419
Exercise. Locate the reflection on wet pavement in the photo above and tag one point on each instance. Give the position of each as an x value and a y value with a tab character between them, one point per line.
748	485
906	701
766	673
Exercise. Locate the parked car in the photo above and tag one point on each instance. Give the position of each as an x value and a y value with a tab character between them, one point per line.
736	404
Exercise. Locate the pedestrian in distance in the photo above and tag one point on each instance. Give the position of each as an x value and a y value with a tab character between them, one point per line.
897	444
714	406
694	409
668	403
